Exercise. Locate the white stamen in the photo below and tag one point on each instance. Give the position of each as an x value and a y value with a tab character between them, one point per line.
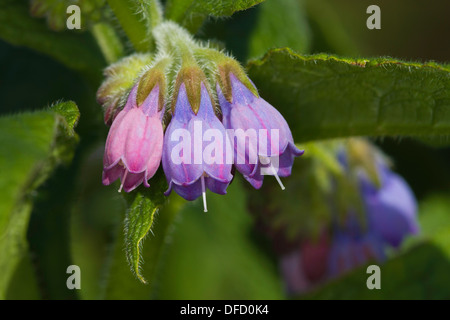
123	180
264	160
204	194
277	177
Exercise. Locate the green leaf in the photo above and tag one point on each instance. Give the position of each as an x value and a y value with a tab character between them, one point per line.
279	24
143	206
140	216
192	13
23	284
325	96
75	50
145	260
31	147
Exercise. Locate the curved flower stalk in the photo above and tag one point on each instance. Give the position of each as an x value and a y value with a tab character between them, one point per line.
192	163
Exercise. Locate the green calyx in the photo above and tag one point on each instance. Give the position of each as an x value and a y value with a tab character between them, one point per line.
224	79
193	71
155	76
215	66
148	81
119	78
219	66
179	60
192	78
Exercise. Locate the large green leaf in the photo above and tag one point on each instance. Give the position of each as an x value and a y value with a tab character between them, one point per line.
31	145
76	50
191	13
325	96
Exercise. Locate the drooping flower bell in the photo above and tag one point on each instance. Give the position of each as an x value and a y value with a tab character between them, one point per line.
391	208
388	201
270	149
306	266
388	204
134	145
195	142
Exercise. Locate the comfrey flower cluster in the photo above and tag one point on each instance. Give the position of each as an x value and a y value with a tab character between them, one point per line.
368	208
212	114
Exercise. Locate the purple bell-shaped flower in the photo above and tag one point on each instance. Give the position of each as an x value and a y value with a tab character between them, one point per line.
196	148
391	208
353	245
260	136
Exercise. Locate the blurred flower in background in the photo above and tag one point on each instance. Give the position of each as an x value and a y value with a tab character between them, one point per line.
360	207
343	208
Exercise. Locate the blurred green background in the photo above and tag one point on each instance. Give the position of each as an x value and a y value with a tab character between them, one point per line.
220	255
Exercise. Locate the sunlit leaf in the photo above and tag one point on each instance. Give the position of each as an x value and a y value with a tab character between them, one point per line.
325	96
31	145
